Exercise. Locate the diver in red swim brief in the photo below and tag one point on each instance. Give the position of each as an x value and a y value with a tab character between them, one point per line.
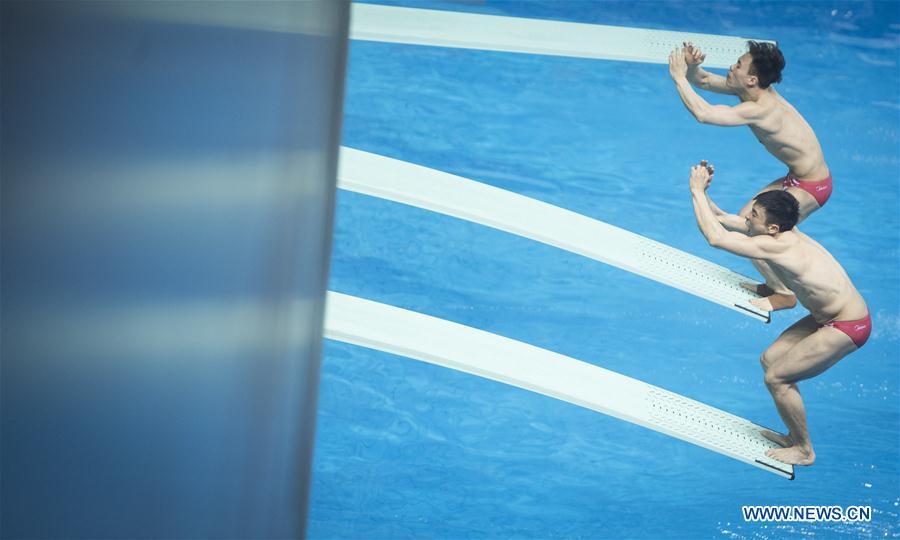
820	190
857	330
804	350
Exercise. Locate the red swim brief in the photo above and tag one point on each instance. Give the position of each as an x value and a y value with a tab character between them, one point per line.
821	189
858	330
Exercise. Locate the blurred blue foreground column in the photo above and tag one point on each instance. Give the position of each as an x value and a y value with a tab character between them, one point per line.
168	176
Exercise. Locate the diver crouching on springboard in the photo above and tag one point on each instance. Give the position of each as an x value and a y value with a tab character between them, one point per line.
777	125
838	322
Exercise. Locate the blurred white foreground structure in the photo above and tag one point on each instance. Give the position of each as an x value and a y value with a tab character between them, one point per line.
168	167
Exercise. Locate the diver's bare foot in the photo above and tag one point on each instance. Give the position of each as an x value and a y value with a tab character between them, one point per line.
781	440
759	288
793	455
774	302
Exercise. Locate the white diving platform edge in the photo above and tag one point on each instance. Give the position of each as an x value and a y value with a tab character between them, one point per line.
459	197
414	26
436	341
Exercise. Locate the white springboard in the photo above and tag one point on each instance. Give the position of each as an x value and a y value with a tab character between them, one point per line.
370	22
421	337
437	191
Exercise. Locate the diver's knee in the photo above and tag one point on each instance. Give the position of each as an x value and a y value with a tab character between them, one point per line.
765	360
774	382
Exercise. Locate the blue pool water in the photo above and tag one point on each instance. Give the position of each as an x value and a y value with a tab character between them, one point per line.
405	449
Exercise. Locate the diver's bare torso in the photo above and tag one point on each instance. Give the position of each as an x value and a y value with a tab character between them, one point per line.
788	137
820	283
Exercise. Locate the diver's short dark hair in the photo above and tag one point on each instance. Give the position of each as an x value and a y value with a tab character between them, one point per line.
782	208
767	63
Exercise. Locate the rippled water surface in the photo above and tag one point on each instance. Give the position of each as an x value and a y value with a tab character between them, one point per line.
406	449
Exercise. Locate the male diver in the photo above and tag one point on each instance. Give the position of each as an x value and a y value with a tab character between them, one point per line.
776	124
838	322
